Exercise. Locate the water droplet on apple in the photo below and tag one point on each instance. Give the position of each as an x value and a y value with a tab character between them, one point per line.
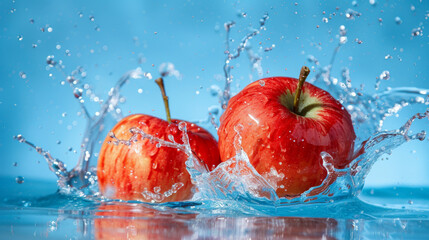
182	126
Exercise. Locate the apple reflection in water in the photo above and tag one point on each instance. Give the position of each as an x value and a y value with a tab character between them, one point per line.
137	221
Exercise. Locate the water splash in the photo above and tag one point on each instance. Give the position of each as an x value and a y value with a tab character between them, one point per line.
234	54
82	179
236	179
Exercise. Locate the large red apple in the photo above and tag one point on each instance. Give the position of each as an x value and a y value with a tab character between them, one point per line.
283	139
147	172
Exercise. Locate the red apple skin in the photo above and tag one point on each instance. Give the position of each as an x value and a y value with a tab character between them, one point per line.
275	137
124	172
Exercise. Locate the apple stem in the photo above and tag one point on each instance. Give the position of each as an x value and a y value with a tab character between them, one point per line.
302	77
160	83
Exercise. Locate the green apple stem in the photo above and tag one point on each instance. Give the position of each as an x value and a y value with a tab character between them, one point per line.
160	83
302	77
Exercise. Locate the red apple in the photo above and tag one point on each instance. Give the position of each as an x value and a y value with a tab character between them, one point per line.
144	171
283	139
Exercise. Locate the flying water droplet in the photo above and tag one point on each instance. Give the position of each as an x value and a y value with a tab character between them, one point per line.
417	32
19	180
23	75
398	20
351	14
385	75
50	60
77	92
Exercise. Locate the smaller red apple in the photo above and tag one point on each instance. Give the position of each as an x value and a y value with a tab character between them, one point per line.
286	125
147	172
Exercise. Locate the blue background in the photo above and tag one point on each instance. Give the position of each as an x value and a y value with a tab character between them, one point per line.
190	34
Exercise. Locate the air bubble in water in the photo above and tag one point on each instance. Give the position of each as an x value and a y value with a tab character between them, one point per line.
140	90
50	29
92	18
19	179
385	75
325	20
261	82
33	45
20	37
373	2
388	56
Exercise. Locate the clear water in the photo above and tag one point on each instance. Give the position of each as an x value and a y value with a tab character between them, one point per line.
233	201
